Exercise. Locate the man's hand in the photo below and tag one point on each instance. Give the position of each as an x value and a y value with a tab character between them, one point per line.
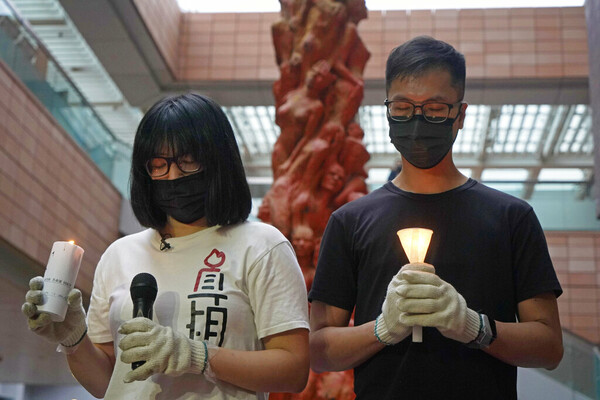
389	329
427	300
68	332
163	350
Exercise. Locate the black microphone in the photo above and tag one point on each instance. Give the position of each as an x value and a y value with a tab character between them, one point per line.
143	293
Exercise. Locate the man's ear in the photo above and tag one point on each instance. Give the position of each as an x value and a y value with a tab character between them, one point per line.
461	115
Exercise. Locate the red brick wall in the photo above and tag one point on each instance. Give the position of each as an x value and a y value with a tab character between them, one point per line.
576	258
227	46
497	43
50	189
162	19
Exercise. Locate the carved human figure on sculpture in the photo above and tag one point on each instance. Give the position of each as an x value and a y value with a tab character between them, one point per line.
312	204
354	154
325	24
303	241
300	114
275	206
342	101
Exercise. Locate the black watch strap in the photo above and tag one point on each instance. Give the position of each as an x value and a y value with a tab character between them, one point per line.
487	333
493	328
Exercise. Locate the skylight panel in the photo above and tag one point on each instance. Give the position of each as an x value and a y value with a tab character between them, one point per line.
561	174
504	174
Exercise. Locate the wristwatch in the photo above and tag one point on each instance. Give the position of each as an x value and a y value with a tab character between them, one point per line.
487	333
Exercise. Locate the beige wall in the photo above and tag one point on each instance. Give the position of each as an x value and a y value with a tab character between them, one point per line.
50	189
497	43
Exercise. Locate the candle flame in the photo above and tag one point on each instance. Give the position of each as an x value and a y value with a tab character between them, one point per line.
72	241
415	242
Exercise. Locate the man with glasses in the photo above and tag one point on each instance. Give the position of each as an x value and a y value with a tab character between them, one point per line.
487	266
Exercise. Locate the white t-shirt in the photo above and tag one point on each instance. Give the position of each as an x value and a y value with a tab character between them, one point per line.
231	286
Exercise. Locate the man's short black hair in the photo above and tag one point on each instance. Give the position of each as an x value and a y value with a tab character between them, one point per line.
195	125
421	55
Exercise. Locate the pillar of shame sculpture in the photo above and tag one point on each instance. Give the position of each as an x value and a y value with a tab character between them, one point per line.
319	157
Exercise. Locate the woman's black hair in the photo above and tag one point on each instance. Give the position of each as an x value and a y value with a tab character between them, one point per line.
195	125
421	55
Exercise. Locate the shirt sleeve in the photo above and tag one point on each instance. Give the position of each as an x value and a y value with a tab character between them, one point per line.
335	277
277	292
98	312
532	267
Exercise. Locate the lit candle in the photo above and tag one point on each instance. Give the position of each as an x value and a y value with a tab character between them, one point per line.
415	242
59	278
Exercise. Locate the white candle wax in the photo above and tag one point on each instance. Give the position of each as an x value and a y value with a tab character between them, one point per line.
59	278
415	242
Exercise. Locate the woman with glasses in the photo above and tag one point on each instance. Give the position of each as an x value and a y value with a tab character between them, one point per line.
230	316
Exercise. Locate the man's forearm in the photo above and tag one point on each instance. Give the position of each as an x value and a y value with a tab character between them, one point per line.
530	344
342	348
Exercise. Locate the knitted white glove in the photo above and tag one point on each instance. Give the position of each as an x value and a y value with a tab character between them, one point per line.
389	329
68	332
163	350
430	301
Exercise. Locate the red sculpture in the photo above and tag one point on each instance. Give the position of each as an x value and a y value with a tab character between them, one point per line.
318	160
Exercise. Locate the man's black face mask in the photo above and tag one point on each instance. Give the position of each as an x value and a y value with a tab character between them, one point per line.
422	143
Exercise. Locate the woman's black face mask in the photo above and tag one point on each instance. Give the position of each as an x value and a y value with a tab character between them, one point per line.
184	199
422	143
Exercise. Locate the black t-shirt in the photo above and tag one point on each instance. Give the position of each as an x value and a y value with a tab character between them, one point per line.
487	244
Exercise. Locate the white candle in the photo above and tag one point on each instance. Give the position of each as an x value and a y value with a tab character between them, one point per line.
59	278
415	242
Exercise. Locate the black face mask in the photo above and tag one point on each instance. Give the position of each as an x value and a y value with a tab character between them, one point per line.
422	143
183	199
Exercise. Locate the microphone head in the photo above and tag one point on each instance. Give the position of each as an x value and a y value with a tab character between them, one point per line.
143	286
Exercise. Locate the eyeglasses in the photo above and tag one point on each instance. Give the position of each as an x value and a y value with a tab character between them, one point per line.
159	166
402	111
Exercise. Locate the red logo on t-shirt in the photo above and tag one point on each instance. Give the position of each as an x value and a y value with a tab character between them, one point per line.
214	260
208	308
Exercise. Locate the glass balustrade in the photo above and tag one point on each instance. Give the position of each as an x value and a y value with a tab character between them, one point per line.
27	57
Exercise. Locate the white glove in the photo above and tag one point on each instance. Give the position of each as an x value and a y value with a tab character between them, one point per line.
68	332
430	301
163	350
388	327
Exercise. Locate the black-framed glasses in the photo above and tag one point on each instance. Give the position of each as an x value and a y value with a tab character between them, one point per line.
403	111
160	166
